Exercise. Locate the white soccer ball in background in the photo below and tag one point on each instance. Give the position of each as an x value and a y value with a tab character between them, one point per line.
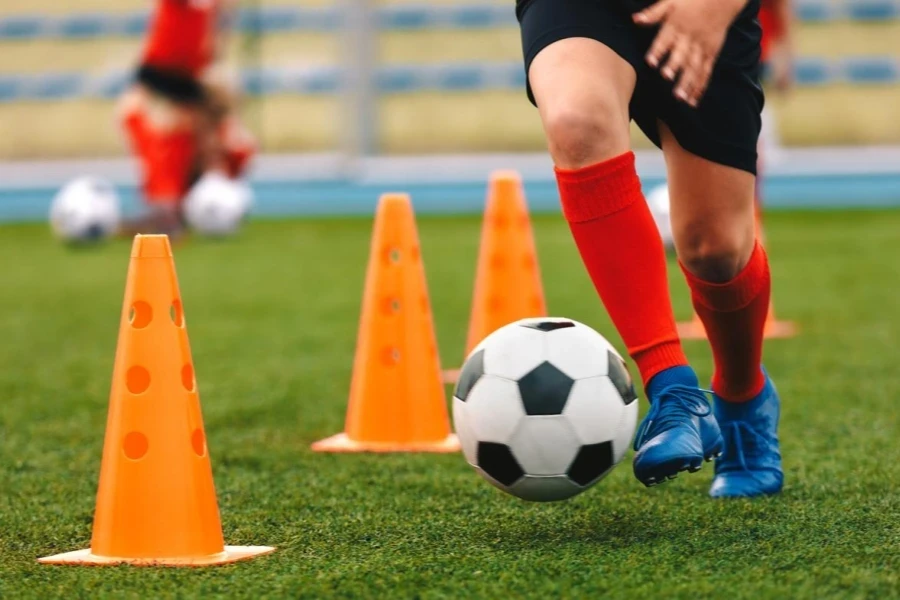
658	201
217	205
84	210
544	408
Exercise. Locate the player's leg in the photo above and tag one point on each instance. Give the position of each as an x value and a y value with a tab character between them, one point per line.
582	89
163	138
726	268
227	146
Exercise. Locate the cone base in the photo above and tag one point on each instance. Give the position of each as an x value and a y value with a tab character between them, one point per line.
450	375
230	555
342	443
780	329
694	330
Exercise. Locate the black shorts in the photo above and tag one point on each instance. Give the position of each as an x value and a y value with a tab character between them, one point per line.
724	128
177	87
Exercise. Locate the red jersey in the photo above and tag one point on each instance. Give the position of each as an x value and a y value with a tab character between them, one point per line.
182	36
771	28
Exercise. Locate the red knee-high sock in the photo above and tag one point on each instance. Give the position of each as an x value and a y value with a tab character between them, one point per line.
624	255
734	315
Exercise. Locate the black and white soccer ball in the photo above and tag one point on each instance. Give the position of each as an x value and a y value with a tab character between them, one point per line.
85	210
217	205
544	408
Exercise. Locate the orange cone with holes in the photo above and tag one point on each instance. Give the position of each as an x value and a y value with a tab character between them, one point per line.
156	503
507	280
694	330
397	401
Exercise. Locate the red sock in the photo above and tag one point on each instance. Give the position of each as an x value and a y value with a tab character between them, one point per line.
624	255
734	315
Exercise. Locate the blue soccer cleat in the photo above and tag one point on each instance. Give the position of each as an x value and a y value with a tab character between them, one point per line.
751	463
711	435
678	434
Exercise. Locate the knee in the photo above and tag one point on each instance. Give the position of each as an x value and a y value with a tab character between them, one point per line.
583	134
714	255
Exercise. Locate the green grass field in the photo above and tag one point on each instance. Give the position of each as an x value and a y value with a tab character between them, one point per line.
272	320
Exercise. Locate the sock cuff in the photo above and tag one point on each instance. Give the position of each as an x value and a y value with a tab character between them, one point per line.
657	358
598	190
735	294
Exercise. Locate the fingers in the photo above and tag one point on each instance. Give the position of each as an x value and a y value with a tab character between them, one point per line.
690	82
683	51
701	80
661	46
678	58
655	13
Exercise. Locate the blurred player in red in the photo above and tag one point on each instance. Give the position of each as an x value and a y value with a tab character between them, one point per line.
777	44
179	114
688	73
777	57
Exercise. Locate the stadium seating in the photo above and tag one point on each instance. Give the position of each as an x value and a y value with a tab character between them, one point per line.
60	71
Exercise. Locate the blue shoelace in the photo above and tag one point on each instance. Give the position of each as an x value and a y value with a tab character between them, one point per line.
680	399
736	433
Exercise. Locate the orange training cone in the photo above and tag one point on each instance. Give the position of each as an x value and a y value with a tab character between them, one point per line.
507	280
397	401
156	503
694	330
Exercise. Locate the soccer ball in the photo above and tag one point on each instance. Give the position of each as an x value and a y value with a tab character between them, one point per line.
217	205
85	210
544	408
658	201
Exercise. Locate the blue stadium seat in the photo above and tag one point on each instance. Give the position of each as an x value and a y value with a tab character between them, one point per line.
397	79
872	10
871	70
21	27
81	26
56	86
10	88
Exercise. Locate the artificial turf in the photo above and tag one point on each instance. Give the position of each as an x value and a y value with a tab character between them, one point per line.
272	319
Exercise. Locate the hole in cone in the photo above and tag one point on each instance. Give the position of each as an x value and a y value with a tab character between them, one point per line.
390	306
390	356
198	442
137	380
177	314
187	377
135	445
140	315
393	255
